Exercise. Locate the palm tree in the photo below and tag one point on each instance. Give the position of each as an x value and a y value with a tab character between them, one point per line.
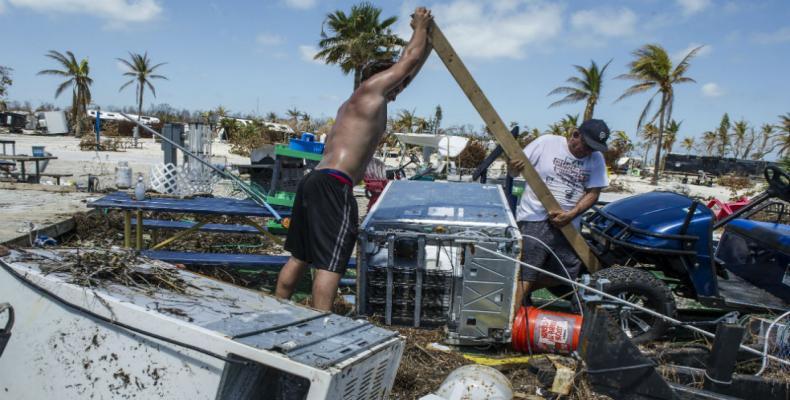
77	73
405	121
739	138
723	134
358	38
783	140
142	72
766	134
437	119
306	118
586	87
294	115
711	140
5	82
650	134
272	116
688	144
422	125
670	136
653	69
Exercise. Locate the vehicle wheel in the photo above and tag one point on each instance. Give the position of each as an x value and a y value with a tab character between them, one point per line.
642	288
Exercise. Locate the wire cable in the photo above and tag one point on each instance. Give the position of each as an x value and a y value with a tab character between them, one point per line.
578	298
765	345
637	306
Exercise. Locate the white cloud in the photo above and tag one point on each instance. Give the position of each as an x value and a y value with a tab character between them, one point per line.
308	52
2	6
691	7
711	89
301	4
605	22
704	51
269	39
489	29
114	10
781	35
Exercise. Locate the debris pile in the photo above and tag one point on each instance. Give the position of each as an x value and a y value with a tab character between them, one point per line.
98	268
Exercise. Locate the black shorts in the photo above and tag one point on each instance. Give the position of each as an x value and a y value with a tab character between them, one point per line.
535	253
324	221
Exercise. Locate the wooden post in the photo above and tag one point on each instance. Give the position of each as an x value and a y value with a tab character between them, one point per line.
502	134
127	229
138	231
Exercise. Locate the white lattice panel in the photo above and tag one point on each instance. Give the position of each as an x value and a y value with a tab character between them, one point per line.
163	178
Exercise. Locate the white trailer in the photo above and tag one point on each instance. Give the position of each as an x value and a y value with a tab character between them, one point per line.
216	341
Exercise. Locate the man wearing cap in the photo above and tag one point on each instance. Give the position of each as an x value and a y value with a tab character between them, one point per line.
574	170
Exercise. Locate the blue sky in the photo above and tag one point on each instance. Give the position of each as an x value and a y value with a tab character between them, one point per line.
255	55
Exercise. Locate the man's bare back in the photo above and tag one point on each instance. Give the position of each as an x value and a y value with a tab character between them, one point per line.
362	120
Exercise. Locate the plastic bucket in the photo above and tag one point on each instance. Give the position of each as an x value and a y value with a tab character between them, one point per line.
38	151
542	331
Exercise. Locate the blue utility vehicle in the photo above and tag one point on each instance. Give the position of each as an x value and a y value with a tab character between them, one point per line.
657	244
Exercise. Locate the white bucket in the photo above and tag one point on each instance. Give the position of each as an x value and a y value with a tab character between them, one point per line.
476	382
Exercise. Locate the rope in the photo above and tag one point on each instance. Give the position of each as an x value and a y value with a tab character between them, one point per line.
636	306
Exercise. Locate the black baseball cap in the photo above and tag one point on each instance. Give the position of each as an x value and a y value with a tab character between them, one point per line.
595	134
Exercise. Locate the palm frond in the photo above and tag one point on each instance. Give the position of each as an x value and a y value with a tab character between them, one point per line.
63	86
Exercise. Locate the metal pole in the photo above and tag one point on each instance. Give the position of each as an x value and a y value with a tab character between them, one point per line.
97	127
624	302
242	185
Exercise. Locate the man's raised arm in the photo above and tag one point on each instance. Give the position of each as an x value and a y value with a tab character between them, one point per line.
412	59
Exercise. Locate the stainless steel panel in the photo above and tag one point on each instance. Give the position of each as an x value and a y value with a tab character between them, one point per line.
487	296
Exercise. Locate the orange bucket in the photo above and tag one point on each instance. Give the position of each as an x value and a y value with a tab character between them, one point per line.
542	331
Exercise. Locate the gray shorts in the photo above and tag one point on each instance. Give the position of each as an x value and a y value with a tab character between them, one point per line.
534	253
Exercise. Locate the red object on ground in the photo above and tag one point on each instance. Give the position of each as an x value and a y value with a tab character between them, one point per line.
542	331
373	189
724	210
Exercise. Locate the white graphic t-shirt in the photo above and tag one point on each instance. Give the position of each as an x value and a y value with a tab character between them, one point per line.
566	176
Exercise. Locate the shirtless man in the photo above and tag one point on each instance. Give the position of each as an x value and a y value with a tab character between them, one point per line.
323	227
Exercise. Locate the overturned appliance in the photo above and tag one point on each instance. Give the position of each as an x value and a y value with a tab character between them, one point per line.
193	338
418	265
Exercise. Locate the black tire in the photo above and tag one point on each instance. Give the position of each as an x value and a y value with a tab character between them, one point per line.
645	289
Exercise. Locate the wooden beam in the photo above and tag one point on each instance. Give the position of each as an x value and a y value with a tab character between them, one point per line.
502	134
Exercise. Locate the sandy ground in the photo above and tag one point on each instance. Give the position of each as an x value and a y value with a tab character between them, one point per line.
20	208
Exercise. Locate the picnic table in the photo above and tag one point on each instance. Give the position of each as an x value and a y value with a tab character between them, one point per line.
6	142
125	202
198	206
25	159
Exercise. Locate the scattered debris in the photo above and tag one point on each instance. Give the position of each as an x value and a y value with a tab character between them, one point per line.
97	268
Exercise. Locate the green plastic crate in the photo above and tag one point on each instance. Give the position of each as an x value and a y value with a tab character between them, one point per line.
285	199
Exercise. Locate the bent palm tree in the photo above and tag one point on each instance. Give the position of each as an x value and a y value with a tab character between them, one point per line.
653	69
359	37
77	73
142	72
586	87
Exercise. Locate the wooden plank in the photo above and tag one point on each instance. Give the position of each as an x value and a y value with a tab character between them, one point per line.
502	134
